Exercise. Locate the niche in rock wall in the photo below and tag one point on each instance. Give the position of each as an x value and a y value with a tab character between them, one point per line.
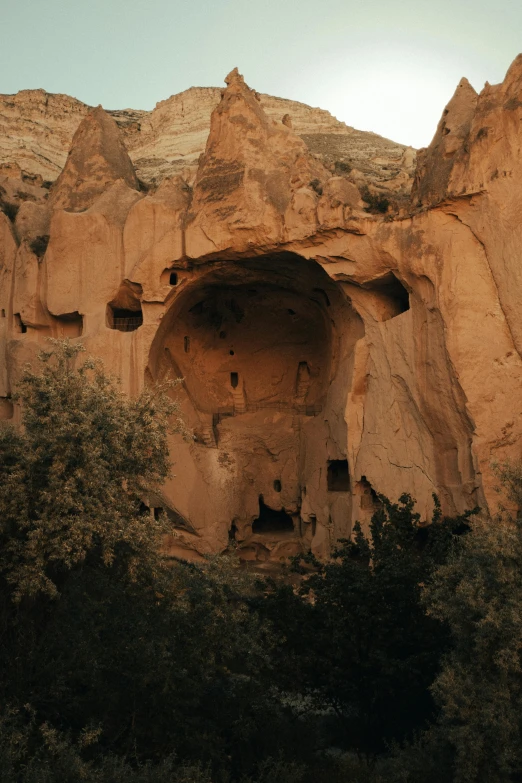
369	498
337	475
124	312
272	522
391	298
19	326
69	324
272	343
169	277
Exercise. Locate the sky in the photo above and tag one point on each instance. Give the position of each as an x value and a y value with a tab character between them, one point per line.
388	66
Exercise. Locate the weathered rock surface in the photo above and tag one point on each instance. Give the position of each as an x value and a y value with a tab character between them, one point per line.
36	131
327	354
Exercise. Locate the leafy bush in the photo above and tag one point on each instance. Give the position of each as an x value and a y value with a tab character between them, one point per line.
358	644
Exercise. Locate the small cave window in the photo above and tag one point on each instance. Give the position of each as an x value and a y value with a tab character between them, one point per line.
232	533
338	478
231	352
70	324
369	497
19	325
277	485
124	320
392	295
186	344
3	313
401	296
272	521
234	380
173	278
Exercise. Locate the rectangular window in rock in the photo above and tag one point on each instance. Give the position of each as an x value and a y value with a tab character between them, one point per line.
337	475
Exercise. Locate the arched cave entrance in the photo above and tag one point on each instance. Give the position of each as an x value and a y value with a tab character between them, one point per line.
263	347
272	521
251	335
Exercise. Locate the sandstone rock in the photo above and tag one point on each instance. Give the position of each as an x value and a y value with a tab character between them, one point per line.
36	130
324	354
97	159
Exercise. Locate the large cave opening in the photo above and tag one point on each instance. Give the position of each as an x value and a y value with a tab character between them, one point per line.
263	349
249	337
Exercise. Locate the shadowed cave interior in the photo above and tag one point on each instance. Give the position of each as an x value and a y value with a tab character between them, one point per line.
262	347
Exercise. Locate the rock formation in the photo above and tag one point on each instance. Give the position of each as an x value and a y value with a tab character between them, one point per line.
332	346
36	131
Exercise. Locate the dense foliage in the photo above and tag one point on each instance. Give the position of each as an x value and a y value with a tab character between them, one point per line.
398	660
357	642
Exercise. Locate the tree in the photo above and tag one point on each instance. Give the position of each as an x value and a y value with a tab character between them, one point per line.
72	479
478	595
358	643
163	666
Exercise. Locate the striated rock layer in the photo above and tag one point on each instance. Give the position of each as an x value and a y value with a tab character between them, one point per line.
327	353
36	131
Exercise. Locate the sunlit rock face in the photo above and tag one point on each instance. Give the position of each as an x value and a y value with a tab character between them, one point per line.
326	351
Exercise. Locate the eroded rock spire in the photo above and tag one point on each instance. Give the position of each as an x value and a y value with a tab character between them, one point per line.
97	159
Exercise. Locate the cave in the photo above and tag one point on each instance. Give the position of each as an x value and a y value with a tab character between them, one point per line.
260	345
122	319
338	477
369	498
271	521
391	295
173	278
19	325
69	324
272	342
124	312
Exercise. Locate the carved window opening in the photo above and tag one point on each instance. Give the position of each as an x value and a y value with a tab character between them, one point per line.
369	497
234	380
3	313
70	324
124	320
400	295
232	533
277	485
392	297
186	344
338	477
124	312
20	327
173	279
272	521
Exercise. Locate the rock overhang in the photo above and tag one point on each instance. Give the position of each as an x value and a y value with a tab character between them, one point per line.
402	357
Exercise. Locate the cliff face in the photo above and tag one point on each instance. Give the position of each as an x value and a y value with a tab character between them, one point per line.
327	352
36	131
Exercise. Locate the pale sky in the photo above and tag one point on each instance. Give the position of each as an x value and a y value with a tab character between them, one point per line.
388	66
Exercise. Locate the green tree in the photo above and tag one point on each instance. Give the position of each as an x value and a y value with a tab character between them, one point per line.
72	479
358	643
478	595
101	636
